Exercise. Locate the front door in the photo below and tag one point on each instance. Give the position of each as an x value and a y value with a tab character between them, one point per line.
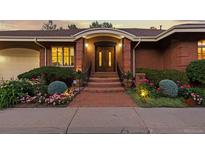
105	59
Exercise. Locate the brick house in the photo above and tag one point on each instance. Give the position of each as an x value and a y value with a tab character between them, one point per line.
105	48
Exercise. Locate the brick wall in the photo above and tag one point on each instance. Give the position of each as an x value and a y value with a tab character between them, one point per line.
79	54
42	57
148	58
179	54
126	54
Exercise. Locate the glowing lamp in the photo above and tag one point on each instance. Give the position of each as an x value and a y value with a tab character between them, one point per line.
86	45
144	93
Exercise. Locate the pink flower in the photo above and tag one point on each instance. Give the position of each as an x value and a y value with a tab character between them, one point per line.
182	87
151	84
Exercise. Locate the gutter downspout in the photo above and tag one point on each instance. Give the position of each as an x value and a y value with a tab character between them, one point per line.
36	42
133	57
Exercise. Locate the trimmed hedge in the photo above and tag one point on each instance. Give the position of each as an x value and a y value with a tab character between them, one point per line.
196	71
50	74
156	76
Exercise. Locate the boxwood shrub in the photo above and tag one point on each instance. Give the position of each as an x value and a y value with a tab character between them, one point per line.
50	74
196	72
156	76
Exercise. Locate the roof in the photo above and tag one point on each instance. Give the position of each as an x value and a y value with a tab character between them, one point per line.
133	31
134	34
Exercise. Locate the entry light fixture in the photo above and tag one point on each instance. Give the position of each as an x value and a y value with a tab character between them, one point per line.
120	44
86	45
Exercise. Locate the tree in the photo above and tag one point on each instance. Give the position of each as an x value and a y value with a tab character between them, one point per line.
106	25
60	28
72	26
95	24
49	25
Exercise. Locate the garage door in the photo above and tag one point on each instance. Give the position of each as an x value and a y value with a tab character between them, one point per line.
17	60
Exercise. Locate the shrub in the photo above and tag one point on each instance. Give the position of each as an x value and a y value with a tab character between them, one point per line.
57	87
11	91
150	87
168	88
196	71
50	74
156	76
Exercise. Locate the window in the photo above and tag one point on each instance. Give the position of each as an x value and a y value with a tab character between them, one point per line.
63	56
201	49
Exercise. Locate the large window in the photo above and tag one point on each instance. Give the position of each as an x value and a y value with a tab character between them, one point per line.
63	56
201	49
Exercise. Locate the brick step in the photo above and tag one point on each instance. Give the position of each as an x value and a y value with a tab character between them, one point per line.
104	84
110	79
104	90
104	74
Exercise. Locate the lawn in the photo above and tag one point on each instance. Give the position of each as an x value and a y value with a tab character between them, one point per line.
157	102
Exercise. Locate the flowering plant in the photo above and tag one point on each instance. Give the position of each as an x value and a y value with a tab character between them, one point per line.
153	90
58	99
196	98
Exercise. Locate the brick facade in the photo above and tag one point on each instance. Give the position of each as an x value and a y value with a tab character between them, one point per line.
179	54
148	58
126	55
42	57
175	55
79	48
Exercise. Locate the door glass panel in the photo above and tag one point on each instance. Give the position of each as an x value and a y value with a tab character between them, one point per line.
100	58
110	59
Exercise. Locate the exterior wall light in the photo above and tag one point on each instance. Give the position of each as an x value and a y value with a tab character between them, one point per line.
120	44
86	45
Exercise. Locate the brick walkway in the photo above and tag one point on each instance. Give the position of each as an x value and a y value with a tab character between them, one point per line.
88	99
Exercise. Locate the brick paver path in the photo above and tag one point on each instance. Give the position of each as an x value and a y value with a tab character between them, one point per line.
88	99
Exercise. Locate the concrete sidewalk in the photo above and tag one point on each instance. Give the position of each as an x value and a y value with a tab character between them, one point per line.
102	120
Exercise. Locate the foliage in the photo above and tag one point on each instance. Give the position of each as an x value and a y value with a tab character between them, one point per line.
49	25
11	91
128	75
96	24
58	87
168	88
50	74
57	99
156	76
196	71
72	26
153	90
156	102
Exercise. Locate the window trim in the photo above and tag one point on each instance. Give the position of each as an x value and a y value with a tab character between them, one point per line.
71	66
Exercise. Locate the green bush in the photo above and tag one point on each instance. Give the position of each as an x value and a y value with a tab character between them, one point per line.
50	74
196	71
57	87
11	91
156	76
168	88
